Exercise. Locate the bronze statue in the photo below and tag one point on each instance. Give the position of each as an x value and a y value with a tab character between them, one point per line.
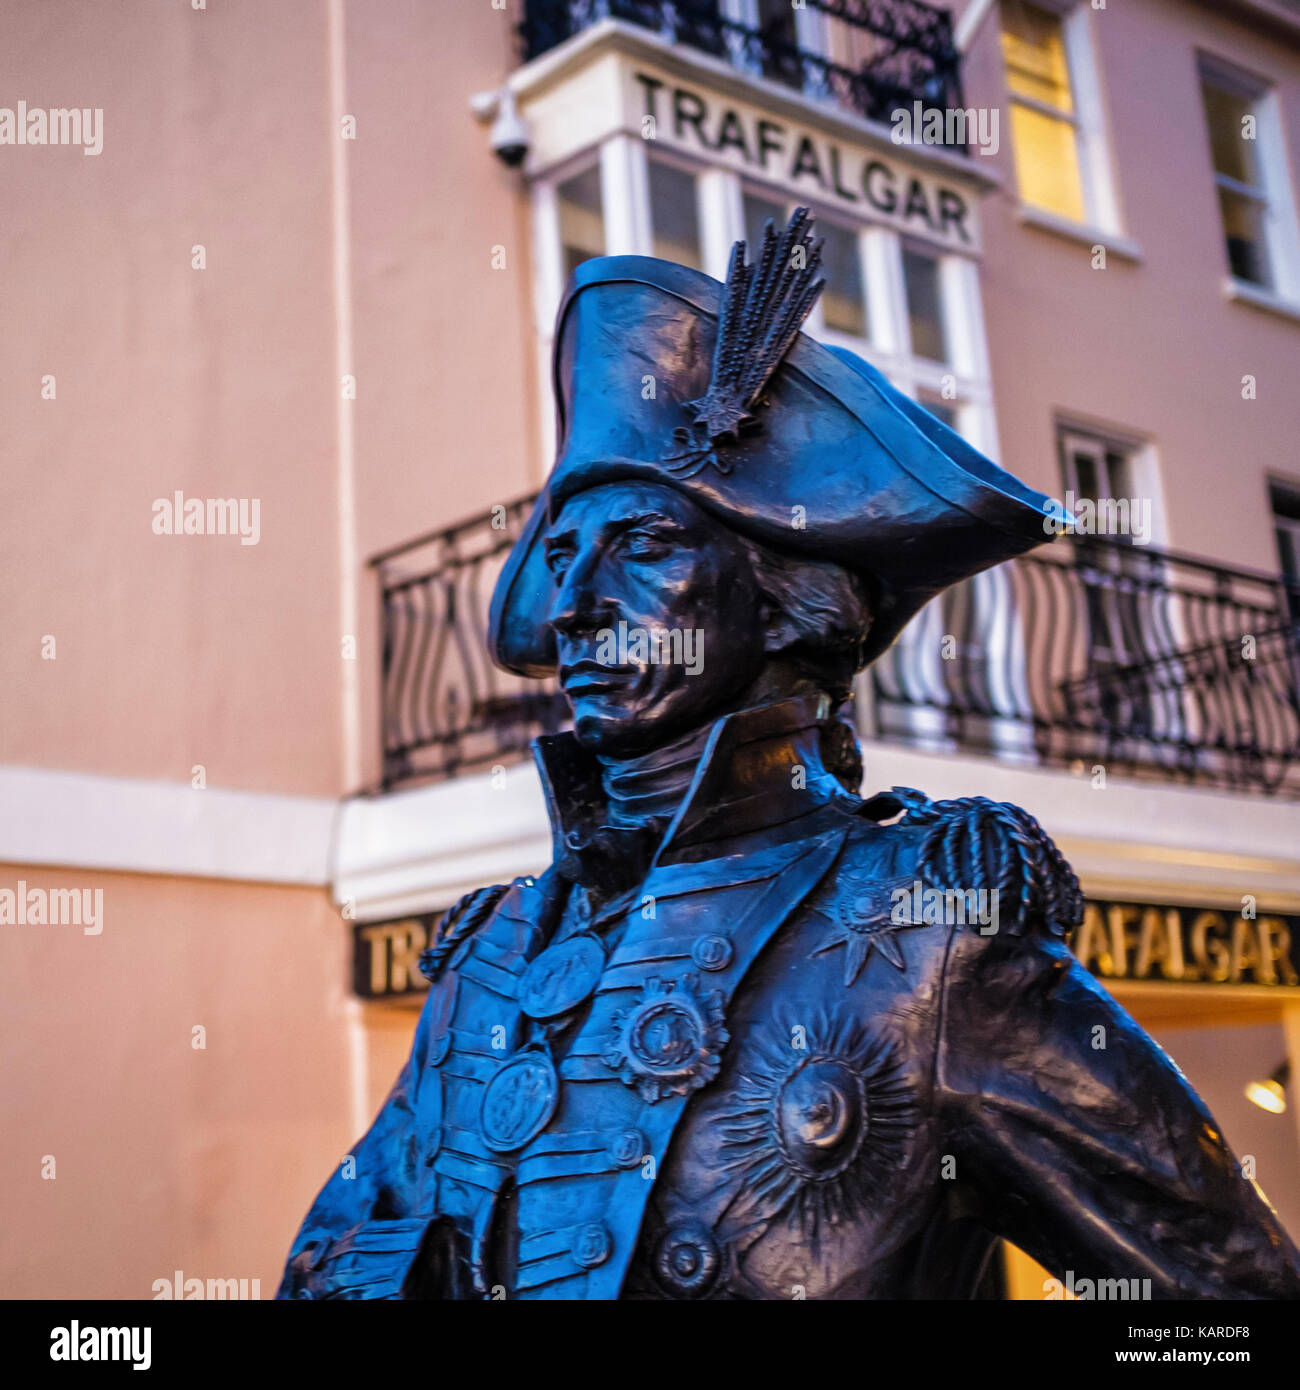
751	1036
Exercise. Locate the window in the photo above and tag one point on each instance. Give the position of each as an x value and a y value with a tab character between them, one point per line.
844	300
775	21
925	314
843	303
674	215
1044	123
1233	119
940	409
758	210
582	223
1286	522
1095	469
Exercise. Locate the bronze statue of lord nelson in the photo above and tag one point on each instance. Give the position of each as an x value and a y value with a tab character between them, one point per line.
715	1051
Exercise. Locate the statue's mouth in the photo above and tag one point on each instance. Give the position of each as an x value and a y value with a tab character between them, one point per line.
589	677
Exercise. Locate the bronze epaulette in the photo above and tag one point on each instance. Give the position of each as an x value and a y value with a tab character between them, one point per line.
972	842
459	921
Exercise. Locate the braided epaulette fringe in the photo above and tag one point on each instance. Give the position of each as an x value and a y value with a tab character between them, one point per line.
462	919
976	843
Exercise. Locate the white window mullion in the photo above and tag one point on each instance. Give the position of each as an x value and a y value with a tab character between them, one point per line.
722	218
963	313
1095	166
548	286
886	296
625	197
1281	229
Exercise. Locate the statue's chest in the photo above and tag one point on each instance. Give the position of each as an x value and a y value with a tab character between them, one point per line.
564	1074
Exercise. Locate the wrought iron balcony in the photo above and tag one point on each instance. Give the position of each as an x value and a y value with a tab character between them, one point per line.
875	56
1088	652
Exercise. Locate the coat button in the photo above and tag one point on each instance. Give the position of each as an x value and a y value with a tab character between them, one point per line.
687	1260
711	952
592	1244
628	1148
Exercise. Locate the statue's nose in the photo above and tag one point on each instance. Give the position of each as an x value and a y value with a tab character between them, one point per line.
576	604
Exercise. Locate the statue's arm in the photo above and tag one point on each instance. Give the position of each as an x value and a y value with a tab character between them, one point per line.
1082	1143
361	1235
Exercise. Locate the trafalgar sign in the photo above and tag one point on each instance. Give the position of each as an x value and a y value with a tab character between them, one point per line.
872	183
1115	941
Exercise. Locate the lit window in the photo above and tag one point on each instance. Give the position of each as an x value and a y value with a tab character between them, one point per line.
1044	122
925	305
674	215
1232	117
582	222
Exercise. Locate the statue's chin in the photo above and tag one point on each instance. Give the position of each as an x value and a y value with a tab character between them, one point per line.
613	737
616	731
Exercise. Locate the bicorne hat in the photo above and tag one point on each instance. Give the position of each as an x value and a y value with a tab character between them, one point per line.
663	374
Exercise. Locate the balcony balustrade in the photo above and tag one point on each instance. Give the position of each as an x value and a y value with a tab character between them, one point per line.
1085	653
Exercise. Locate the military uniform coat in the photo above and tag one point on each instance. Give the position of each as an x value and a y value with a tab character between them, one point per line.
780	1064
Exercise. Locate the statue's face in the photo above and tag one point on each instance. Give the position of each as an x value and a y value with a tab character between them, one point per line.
658	622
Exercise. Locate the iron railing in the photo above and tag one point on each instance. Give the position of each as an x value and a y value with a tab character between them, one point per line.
445	707
1087	652
1101	653
877	55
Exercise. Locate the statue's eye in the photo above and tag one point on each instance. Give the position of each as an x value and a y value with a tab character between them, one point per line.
647	545
558	559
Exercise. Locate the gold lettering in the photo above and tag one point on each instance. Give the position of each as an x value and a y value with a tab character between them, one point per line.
1210	953
404	967
1161	940
1275	940
1121	919
1091	941
1245	951
377	938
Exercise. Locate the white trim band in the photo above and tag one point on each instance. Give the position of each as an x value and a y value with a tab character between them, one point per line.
126	825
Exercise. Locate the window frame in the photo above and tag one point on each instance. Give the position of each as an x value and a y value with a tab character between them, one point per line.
1274	194
696	172
1087	119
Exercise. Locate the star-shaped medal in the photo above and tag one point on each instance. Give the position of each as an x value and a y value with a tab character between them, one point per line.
868	915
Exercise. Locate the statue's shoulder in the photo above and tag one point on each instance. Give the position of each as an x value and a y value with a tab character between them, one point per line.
458	924
973	844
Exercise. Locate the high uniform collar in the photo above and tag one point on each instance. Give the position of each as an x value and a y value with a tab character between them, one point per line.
758	768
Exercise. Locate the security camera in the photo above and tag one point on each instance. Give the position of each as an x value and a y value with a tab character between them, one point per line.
509	133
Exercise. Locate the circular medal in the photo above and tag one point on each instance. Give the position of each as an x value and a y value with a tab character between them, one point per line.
562	977
669	1041
518	1101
